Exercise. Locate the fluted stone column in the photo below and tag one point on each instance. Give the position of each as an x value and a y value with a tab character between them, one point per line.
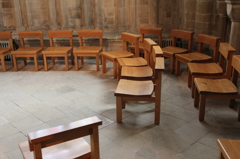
233	11
222	19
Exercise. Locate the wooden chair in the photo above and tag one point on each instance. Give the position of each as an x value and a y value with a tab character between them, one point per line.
198	57
133	90
25	51
212	70
135	61
89	51
6	35
229	149
65	141
171	51
112	56
147	31
58	51
144	72
217	89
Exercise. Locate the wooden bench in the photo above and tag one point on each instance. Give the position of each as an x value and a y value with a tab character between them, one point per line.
64	142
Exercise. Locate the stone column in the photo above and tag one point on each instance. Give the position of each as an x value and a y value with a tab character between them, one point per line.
233	11
189	14
222	19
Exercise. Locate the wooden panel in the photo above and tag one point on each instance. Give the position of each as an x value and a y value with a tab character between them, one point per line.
151	31
236	62
90	33
225	49
30	34
5	35
208	39
60	33
182	34
132	38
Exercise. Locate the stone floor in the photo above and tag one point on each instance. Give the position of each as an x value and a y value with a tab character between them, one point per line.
31	101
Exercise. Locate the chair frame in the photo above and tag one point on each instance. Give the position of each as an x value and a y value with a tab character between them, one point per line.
200	97
6	35
52	34
88	33
60	134
27	35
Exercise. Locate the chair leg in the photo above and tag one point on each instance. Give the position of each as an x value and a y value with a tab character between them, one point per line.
45	62
66	62
231	103
94	139
202	107
238	113
82	60
172	64
157	111
177	68
221	155
76	62
119	72
25	61
119	106
189	79
72	58
3	64
97	62
196	97
115	69
53	60
36	63
15	63
193	87
104	64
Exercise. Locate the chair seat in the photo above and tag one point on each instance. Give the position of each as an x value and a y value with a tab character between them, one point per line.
88	49
117	54
132	47
57	50
4	50
229	148
134	88
136	72
136	61
67	150
173	50
221	86
27	50
205	68
194	57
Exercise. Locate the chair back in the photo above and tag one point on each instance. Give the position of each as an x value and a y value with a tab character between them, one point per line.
236	63
30	35
151	31
182	34
226	53
211	41
130	38
7	35
60	34
90	33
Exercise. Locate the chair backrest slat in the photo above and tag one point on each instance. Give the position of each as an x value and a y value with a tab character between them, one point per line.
60	34
90	33
131	38
236	62
151	31
7	35
31	35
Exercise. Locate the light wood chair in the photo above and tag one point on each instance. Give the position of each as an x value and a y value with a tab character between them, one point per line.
133	90
199	56
58	51
212	70
217	89
135	61
26	51
144	72
65	141
112	56
171	51
147	31
88	51
229	149
6	35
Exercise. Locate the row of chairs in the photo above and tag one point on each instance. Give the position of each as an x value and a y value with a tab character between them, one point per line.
53	51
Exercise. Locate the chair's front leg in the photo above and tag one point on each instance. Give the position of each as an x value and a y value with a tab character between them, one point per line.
189	79
119	105
36	63
202	107
104	64
196	97
15	63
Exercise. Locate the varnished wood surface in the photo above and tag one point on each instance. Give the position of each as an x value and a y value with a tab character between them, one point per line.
205	68
134	88
88	49
229	148
136	72
27	50
60	33
57	50
4	50
173	50
137	61
236	62
160	66
117	54
194	57
215	85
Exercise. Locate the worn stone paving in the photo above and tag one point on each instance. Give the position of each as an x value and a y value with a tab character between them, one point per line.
31	101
